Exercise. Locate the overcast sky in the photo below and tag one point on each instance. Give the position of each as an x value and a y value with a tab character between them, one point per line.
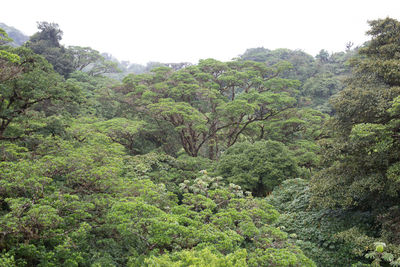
189	30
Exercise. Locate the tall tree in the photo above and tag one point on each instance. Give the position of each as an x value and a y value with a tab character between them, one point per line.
212	103
46	42
91	61
363	156
83	56
35	84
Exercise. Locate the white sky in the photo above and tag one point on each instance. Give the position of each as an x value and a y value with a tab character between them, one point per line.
189	30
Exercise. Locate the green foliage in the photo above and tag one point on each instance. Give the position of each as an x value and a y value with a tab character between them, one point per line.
209	105
83	56
99	99
279	257
320	88
301	62
76	202
362	174
170	171
379	255
49	201
319	231
201	258
298	129
30	92
372	249
46	42
95	172
258	167
8	57
361	160
210	217
119	130
9	68
321	77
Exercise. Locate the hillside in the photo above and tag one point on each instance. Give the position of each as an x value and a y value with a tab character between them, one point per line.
18	37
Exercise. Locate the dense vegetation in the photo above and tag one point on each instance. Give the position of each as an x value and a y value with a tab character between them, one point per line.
276	158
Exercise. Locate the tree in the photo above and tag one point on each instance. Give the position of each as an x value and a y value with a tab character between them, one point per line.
299	129
49	32
91	61
210	104
47	43
302	63
35	84
103	66
83	56
363	156
323	56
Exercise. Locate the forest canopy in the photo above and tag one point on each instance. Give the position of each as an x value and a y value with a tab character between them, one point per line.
275	158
